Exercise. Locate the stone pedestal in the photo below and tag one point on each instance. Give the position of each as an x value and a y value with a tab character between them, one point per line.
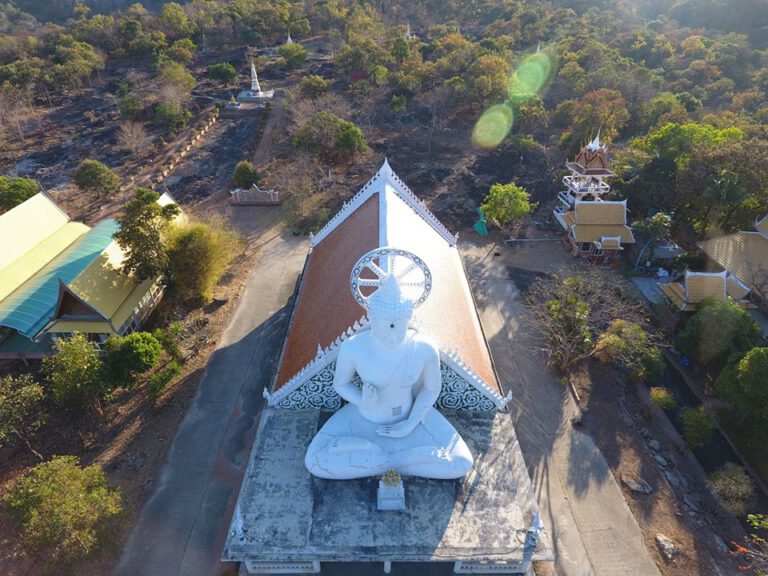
390	497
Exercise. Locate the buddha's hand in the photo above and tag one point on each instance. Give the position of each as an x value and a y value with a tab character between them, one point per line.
399	430
370	397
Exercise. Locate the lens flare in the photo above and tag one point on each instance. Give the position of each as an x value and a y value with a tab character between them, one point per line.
529	78
493	126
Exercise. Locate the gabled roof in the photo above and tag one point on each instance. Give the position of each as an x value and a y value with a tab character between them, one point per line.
26	225
762	225
745	254
693	287
383	213
32	304
602	213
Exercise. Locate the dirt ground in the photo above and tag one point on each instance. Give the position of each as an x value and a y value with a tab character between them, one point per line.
638	442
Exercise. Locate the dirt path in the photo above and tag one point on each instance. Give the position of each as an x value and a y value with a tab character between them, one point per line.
262	154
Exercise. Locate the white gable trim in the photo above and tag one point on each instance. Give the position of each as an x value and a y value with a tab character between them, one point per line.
325	357
758	223
377	184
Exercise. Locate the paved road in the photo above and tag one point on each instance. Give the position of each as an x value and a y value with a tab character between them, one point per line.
593	530
182	527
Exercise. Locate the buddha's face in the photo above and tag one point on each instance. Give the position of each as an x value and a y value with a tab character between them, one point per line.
389	332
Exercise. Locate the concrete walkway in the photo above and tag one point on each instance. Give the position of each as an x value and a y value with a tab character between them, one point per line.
181	529
592	528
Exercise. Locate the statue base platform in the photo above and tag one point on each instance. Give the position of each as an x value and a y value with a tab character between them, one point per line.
286	517
390	497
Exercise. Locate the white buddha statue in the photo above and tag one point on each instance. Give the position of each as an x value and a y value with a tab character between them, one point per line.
389	423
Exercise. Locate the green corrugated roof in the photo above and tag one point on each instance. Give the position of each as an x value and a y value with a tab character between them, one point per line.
31	306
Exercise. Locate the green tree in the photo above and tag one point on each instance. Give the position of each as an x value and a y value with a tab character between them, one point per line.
172	115
718	331
127	356
183	50
295	54
677	141
733	487
245	174
223	72
628	346
313	86
198	255
63	513
93	176
175	21
14	191
698	426
21	409
330	137
604	108
175	76
743	384
507	204
75	373
140	234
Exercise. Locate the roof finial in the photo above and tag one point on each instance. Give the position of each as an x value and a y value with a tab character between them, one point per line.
386	168
289	40
538	48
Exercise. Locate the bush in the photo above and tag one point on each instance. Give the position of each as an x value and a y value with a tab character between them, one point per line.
167	338
198	254
293	54
131	355
75	372
629	346
245	174
159	381
172	115
734	488
21	411
93	176
14	191
62	512
223	72
330	137
697	426
663	398
313	86
717	332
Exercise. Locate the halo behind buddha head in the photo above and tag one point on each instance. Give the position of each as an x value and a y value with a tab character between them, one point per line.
389	283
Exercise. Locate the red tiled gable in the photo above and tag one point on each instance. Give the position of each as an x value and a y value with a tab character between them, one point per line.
325	306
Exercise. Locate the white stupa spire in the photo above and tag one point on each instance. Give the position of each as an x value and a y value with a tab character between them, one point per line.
538	48
595	144
289	40
255	87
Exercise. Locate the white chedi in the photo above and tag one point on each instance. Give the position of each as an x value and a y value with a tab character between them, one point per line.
390	423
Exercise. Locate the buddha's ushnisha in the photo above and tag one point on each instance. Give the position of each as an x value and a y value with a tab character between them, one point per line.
389	423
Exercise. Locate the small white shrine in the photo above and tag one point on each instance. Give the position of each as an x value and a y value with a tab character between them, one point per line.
255	94
385	436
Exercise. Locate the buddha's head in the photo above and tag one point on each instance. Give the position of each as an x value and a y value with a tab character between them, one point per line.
389	312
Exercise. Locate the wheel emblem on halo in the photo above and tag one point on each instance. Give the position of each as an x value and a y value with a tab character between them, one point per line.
412	274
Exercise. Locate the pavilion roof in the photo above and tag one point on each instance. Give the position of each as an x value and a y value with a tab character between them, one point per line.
745	254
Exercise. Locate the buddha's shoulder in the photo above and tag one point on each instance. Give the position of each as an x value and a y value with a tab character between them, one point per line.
424	344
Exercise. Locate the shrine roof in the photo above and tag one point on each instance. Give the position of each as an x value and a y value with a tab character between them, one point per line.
762	225
383	213
745	254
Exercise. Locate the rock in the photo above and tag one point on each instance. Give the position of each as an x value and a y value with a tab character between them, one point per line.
692	503
645	432
654	445
636	484
672	478
667	547
661	460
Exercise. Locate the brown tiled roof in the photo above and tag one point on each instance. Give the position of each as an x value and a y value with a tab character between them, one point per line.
676	293
325	306
702	286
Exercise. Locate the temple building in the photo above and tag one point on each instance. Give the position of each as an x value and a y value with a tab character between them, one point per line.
690	288
289	519
741	257
58	277
595	229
